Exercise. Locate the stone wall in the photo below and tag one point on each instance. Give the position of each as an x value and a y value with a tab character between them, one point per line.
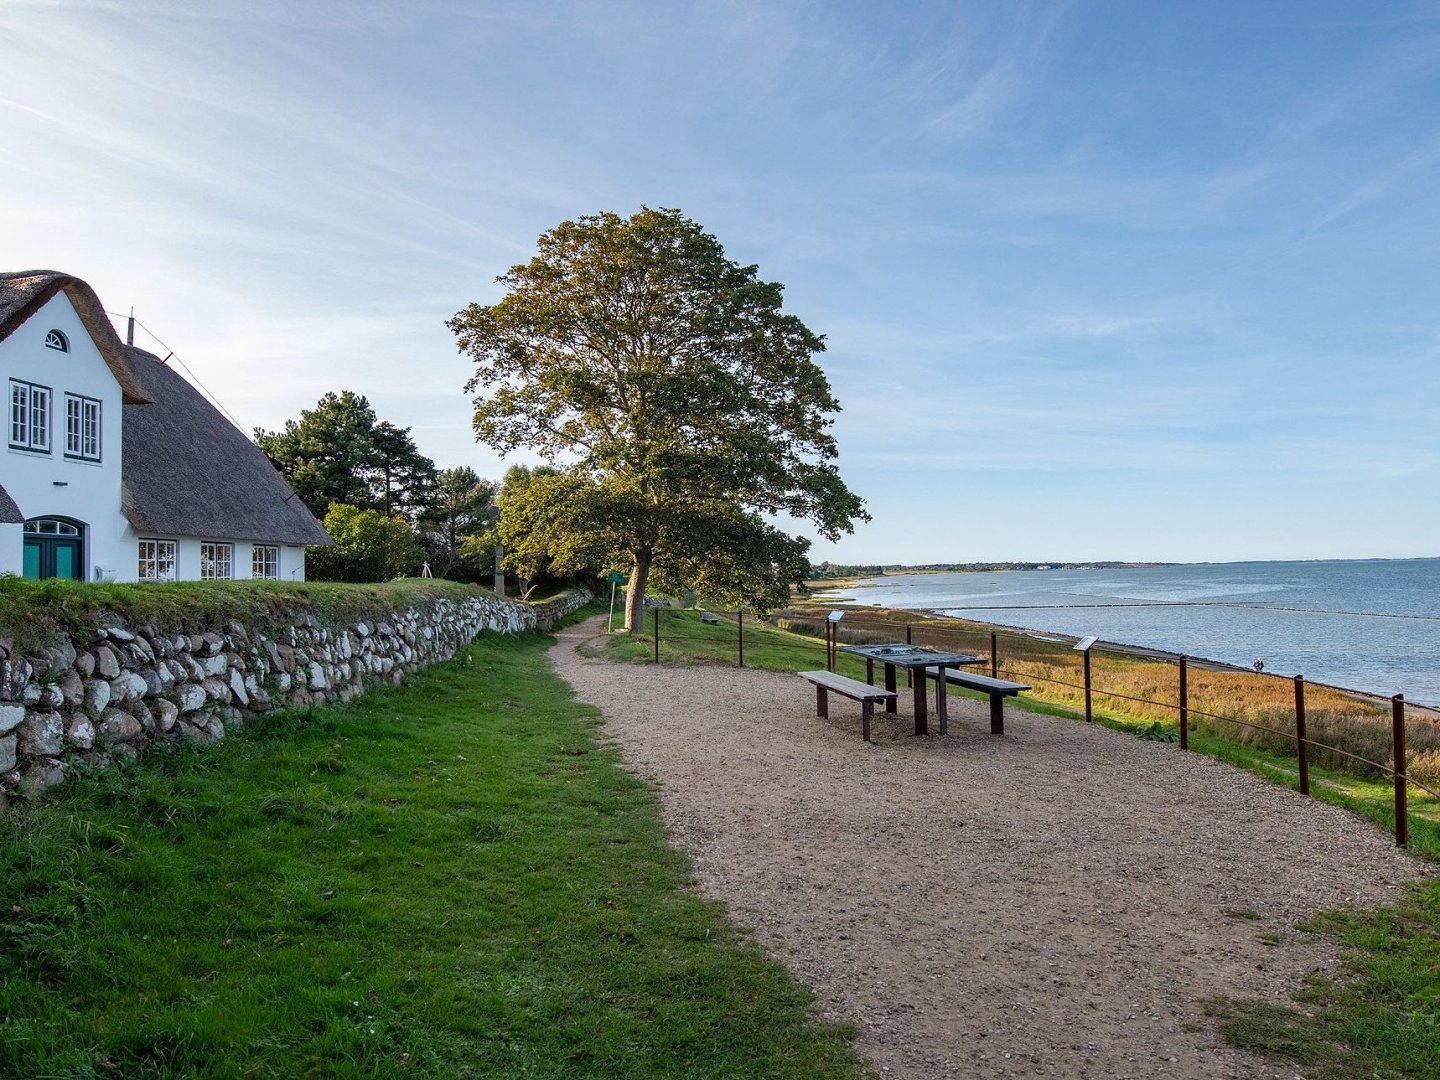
548	612
109	696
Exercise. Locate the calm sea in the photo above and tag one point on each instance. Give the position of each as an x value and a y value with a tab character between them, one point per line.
1370	625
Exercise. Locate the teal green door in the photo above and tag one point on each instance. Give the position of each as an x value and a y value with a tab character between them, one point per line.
52	549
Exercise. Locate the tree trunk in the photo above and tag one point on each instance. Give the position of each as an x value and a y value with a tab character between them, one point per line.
499	573
635	593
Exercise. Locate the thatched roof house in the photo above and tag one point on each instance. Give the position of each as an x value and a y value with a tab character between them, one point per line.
119	468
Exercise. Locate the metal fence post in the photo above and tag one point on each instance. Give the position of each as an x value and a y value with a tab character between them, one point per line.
1089	717
1397	726
740	628
655	619
1184	705
1302	744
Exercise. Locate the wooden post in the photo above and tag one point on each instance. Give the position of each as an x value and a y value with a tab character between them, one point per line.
1184	705
994	657
740	627
1089	717
1302	744
655	619
829	646
909	640
1397	727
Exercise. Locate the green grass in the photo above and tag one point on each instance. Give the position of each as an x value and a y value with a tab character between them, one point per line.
448	880
1379	1018
34	613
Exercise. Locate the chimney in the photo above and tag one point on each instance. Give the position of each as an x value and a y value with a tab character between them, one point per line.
130	329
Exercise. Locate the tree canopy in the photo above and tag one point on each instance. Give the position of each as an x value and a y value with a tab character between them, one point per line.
677	401
339	452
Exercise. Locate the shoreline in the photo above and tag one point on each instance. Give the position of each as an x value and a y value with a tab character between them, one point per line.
1419	708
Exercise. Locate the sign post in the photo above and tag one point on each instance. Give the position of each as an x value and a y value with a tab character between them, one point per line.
615	578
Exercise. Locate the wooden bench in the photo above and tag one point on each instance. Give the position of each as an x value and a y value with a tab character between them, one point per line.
827	682
709	617
997	689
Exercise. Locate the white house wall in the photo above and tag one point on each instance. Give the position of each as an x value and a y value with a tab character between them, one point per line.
52	485
12	549
187	556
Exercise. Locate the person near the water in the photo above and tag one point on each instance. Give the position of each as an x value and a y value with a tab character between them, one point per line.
1259	665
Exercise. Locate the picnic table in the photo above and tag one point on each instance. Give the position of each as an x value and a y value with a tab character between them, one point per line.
915	658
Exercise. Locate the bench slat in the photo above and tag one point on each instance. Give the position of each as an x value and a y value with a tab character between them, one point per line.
851	688
979	682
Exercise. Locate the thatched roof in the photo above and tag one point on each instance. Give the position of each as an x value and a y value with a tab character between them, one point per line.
9	510
23	294
187	471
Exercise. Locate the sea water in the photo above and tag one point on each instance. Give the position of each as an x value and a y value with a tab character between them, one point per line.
1371	625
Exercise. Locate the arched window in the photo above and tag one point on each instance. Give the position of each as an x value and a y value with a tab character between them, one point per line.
56	340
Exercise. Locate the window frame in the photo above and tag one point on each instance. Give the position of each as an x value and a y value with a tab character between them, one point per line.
29	443
157	559
272	562
214	556
79	434
57	339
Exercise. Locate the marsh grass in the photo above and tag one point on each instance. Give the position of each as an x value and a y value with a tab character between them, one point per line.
453	879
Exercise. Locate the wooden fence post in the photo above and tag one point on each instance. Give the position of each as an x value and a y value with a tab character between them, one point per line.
994	656
740	627
655	620
1302	744
1397	728
1184	705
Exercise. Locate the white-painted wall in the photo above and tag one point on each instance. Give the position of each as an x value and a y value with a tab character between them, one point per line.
187	557
51	485
12	541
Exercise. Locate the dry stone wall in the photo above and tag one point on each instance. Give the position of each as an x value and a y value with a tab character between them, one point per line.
109	697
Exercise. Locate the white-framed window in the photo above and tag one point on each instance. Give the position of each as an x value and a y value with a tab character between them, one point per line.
55	339
265	563
29	416
157	560
82	428
217	561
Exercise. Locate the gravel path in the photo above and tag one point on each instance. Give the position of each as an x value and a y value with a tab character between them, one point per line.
1052	902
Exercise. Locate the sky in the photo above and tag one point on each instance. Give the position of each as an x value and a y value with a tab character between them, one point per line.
1102	279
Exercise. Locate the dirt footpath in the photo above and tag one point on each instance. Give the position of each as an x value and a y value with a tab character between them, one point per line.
1057	901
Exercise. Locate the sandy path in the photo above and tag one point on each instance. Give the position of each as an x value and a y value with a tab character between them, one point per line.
1047	903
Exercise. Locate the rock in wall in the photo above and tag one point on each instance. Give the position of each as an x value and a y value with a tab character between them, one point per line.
111	696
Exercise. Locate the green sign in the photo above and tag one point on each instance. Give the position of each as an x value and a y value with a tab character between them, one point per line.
615	577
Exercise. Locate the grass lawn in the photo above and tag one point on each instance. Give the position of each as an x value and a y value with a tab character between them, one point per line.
1379	1019
449	880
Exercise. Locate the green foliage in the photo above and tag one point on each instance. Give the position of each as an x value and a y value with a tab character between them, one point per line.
369	546
450	880
457	525
680	402
339	452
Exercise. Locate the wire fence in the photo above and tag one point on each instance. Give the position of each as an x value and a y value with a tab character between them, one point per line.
1353	735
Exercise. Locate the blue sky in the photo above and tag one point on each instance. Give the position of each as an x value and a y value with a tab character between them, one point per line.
1100	280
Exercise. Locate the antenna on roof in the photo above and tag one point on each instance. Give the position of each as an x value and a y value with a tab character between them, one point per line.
130	328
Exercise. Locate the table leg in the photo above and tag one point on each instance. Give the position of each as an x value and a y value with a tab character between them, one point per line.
890	706
940	701
870	671
922	720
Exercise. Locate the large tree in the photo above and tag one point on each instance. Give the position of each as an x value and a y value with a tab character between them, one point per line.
339	452
679	403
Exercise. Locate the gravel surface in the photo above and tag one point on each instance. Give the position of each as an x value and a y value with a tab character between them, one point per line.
1057	901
